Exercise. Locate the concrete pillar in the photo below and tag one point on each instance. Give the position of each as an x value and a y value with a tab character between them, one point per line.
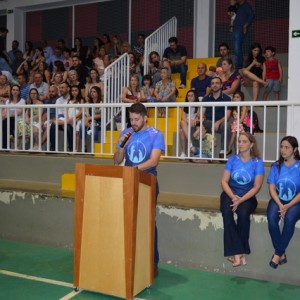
293	123
204	28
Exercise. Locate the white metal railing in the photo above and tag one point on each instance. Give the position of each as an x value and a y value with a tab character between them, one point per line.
272	117
158	40
116	77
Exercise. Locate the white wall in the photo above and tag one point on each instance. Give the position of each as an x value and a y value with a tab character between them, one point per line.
294	65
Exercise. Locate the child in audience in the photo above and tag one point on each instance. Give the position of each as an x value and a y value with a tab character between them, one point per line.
148	88
207	142
238	119
189	119
272	73
232	9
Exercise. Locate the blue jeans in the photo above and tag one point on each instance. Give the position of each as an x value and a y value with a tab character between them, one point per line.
281	240
182	69
236	234
238	38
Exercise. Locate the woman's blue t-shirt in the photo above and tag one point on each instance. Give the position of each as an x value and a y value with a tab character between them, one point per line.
286	179
242	174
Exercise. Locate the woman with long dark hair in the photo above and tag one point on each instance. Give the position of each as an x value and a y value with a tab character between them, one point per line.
13	114
253	70
188	119
284	188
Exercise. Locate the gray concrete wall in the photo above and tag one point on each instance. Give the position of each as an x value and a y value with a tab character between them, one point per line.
187	237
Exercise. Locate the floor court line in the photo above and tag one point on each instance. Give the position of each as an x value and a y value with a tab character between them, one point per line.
41	279
50	281
71	295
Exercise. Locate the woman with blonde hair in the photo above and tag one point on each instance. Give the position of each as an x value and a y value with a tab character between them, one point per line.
241	181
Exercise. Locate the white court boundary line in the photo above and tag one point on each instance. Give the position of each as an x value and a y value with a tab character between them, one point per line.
50	281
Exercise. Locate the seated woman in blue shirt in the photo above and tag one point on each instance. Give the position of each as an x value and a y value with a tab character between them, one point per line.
284	187
241	181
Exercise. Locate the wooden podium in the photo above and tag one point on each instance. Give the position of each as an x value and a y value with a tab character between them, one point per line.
114	229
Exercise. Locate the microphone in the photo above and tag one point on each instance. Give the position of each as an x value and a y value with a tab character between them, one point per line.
127	136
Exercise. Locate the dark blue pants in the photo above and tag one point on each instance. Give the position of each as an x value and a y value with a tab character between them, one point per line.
238	38
69	136
281	240
236	234
182	69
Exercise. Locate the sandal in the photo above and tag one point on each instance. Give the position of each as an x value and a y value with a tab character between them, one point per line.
272	263
283	259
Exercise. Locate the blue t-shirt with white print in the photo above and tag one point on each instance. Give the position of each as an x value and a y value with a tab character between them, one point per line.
140	146
286	179
242	174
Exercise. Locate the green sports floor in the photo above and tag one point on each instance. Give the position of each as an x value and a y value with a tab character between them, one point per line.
33	272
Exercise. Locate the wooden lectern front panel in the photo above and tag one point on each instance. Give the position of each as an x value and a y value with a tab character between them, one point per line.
102	262
143	241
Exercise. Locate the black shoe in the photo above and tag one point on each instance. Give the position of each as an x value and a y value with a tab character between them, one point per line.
273	264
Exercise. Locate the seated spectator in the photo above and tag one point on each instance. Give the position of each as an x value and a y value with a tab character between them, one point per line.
68	63
177	55
134	68
14	48
93	80
239	117
165	89
272	73
225	54
26	70
44	70
62	114
75	114
126	47
221	113
147	88
97	44
206	145
139	47
48	51
81	51
98	60
58	55
37	58
61	43
49	114
32	126
81	70
17	62
28	53
4	89
73	80
92	122
155	64
132	94
59	68
201	83
233	79
24	86
106	63
117	46
57	81
107	44
254	69
189	118
41	86
12	114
